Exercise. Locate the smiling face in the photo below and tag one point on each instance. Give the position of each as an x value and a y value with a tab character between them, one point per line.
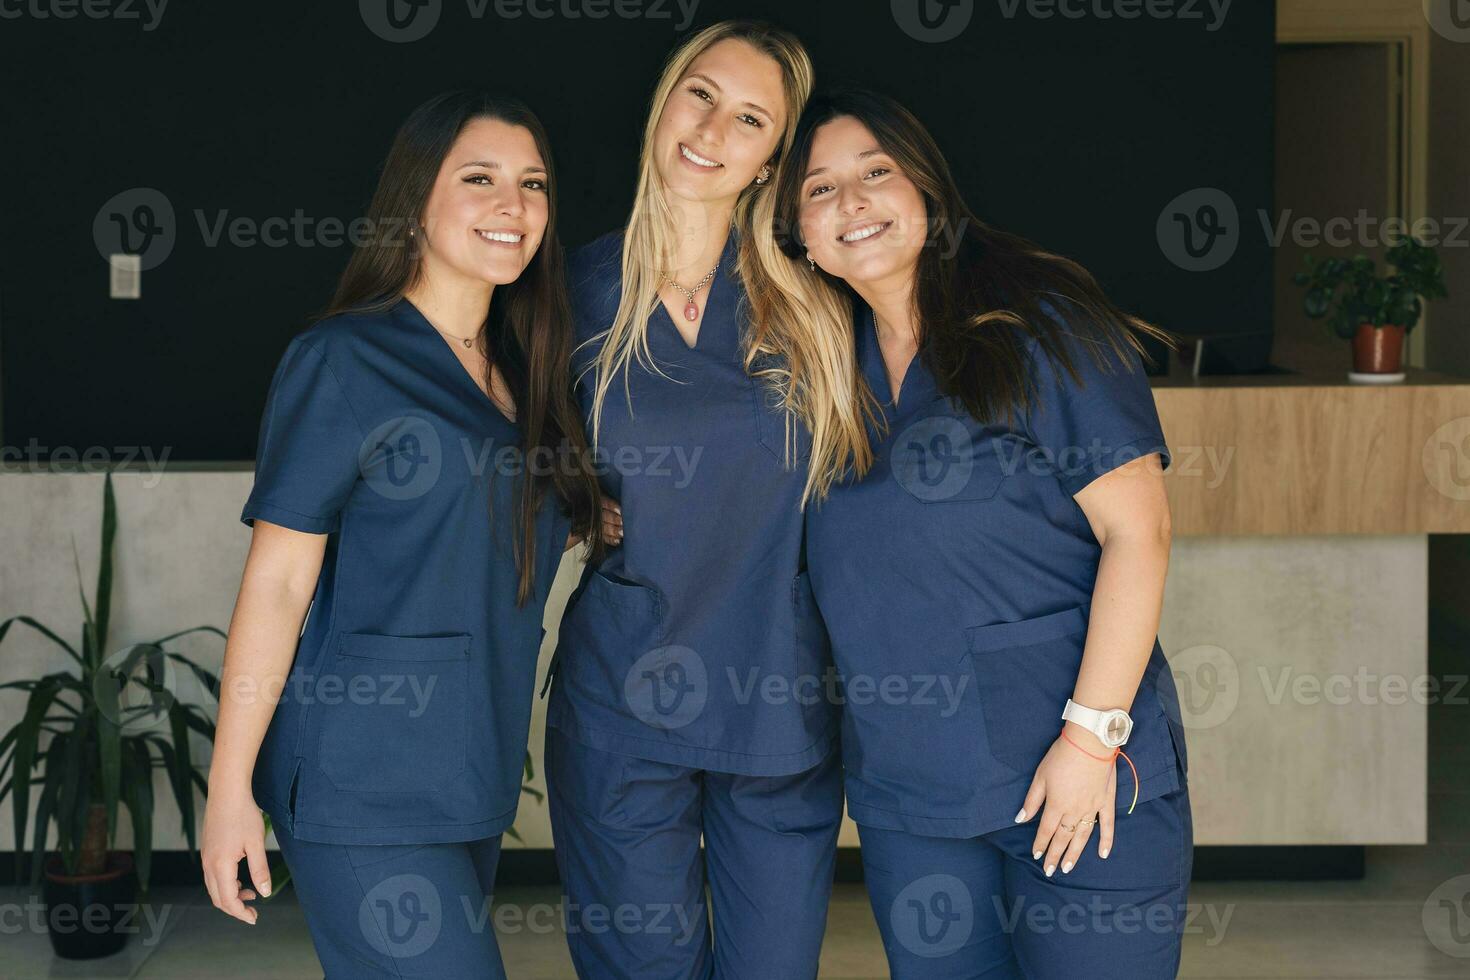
721	123
486	214
861	218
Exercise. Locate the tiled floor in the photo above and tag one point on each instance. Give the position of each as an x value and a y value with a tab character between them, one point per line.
1381	927
1370	929
1392	925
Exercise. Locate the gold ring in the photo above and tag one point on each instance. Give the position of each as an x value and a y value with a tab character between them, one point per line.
1069	829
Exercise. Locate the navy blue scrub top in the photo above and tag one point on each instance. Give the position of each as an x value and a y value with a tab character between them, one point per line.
407	711
697	641
955	580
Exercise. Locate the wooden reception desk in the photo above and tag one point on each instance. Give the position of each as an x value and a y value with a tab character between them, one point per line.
1294	454
1296	611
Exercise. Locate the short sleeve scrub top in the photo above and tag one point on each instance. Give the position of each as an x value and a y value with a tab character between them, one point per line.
955	580
406	713
696	642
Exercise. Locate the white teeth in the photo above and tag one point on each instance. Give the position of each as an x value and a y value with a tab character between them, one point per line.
510	238
696	158
867	231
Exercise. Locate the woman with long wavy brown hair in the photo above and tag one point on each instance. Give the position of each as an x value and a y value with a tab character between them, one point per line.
421	469
998	572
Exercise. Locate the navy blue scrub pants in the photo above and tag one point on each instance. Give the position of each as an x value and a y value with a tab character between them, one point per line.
628	848
398	910
981	907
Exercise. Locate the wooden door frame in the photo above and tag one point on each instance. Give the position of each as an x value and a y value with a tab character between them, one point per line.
1402	24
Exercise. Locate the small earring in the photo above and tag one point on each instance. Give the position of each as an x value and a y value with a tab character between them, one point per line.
764	177
811	262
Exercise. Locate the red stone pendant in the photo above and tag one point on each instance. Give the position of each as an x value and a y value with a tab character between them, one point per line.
691	312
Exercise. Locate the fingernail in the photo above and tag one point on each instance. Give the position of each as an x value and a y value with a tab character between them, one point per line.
1036	855
1104	852
1021	816
1049	869
1066	867
265	890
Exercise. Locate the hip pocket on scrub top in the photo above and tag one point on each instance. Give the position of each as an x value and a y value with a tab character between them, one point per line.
629	600
1024	673
614	624
392	712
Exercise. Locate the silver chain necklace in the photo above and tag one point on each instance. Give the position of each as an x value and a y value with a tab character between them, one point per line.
691	308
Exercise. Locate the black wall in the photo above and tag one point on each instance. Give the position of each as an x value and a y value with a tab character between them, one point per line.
1074	131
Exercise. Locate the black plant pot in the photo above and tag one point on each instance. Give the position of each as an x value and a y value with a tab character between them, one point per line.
88	916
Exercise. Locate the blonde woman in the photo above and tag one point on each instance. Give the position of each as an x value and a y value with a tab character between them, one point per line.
690	695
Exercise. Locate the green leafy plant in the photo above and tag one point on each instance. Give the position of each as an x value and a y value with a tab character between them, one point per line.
529	773
103	749
1349	292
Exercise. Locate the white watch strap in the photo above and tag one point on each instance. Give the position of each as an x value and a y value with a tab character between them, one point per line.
1089	718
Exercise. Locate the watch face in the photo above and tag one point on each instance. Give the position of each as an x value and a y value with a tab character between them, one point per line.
1116	729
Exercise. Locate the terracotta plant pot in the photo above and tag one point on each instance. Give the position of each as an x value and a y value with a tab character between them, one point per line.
1378	350
90	915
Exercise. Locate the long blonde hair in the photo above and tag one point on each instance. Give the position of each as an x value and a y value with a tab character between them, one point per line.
812	375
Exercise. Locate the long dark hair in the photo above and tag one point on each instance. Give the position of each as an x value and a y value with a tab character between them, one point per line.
527	331
980	296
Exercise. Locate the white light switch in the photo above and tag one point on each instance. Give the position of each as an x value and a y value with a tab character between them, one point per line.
127	276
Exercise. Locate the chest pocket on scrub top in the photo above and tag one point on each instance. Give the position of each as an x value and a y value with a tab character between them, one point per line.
944	456
771	425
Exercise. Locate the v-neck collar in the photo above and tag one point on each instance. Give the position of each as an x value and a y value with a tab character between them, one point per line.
410	313
917	386
719	311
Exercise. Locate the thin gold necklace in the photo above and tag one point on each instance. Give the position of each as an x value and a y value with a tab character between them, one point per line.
467	341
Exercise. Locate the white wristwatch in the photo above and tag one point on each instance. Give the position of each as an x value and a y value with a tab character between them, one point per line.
1112	727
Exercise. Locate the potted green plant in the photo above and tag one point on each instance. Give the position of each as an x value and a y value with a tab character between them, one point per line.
111	721
1375	312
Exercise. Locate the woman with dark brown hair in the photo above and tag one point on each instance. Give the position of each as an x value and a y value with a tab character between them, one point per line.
421	469
992	583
